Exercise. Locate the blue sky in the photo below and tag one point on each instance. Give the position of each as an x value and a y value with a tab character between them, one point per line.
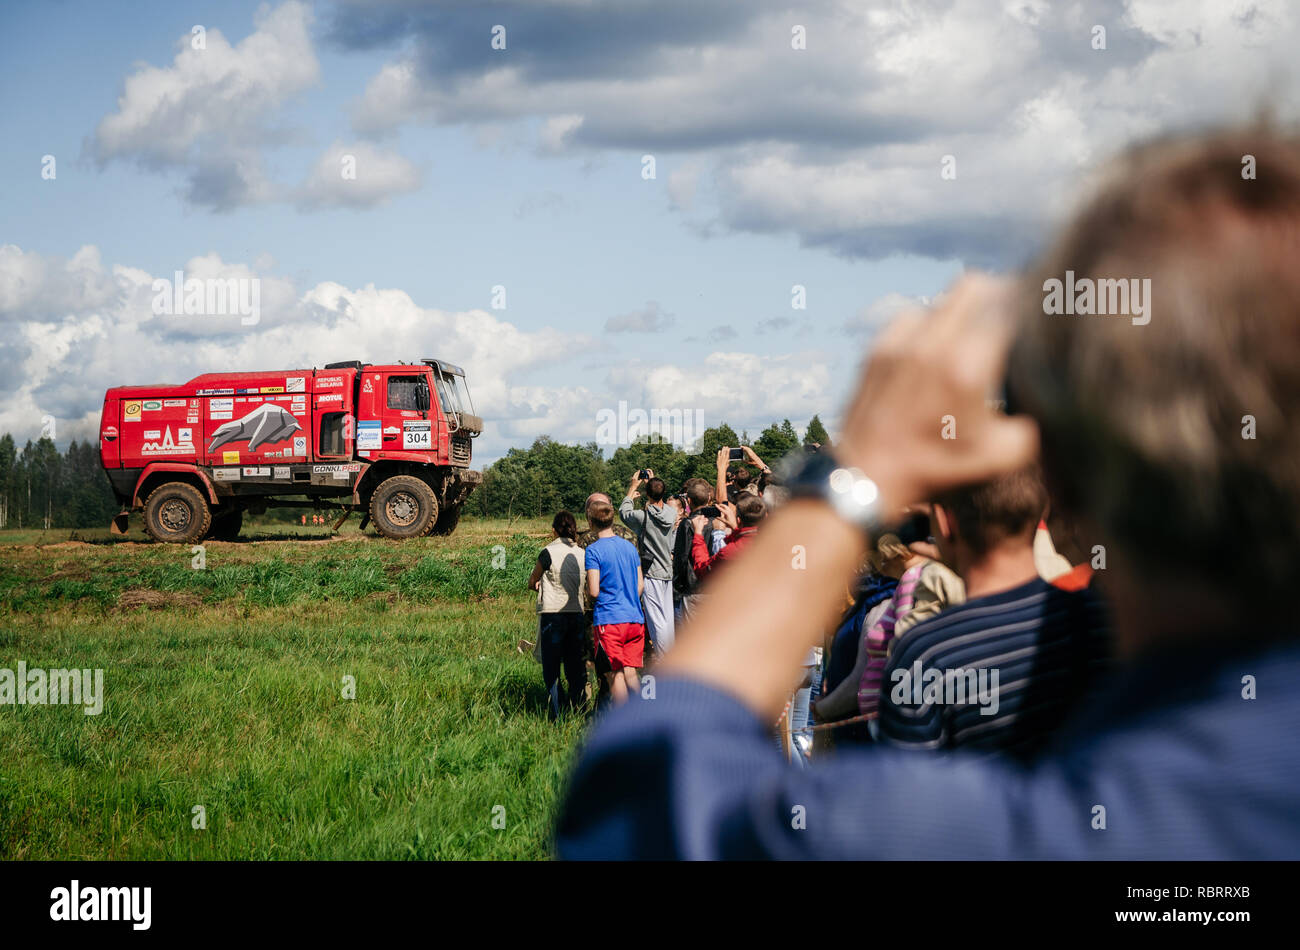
522	168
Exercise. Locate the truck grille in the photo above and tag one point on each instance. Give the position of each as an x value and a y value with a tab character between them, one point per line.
460	450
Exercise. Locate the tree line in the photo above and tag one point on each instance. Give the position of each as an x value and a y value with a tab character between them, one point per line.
550	475
39	488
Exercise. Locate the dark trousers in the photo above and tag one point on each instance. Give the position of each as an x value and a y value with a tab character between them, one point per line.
561	638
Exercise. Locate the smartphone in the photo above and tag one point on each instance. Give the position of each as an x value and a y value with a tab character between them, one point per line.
737	455
709	511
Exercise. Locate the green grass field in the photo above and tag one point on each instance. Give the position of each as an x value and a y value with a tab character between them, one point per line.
224	688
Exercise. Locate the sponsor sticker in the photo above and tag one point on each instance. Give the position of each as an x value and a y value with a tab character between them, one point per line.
343	467
369	434
272	389
330	397
221	415
295	384
226	474
215	392
299	445
221	405
230	458
282	472
173	403
153	434
367	387
110	433
182	444
257	471
152	405
131	410
329	382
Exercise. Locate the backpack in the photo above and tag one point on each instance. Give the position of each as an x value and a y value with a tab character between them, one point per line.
684	579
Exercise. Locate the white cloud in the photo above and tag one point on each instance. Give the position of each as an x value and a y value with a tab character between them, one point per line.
876	315
357	175
63	352
841	143
649	319
210	112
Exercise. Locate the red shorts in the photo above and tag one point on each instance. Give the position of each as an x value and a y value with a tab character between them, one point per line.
623	643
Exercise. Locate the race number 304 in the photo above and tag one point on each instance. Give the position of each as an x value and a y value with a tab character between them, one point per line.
417	435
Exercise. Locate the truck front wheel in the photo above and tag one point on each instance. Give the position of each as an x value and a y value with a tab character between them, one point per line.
178	513
403	507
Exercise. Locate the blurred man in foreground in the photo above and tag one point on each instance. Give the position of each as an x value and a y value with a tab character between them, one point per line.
1167	424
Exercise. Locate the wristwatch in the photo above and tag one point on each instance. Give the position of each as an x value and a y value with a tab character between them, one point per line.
849	492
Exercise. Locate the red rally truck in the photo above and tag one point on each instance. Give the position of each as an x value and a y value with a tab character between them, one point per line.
392	441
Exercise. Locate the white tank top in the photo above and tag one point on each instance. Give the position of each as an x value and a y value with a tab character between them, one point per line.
560	591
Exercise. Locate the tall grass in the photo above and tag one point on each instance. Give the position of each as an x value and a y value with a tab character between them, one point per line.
224	689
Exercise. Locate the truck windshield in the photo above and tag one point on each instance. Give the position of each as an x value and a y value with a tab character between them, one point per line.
446	395
461	393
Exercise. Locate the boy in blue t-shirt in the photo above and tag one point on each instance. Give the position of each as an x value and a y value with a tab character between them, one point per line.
615	583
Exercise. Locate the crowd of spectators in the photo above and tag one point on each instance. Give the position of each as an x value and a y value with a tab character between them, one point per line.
1065	633
615	593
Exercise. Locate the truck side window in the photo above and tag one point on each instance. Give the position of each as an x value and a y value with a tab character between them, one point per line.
331	433
401	392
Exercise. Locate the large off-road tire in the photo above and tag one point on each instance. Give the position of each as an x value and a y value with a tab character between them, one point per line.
226	525
404	507
177	513
448	520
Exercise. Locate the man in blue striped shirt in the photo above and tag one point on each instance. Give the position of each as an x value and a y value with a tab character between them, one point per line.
1001	671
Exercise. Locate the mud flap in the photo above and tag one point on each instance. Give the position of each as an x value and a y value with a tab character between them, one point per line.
120	523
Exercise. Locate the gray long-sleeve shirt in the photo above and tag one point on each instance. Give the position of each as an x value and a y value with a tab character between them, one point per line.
660	529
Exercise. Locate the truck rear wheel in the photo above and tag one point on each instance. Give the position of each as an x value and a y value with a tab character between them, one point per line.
177	513
403	507
448	520
225	526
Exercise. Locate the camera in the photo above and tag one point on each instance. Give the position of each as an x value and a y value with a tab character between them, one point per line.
709	511
736	455
644	473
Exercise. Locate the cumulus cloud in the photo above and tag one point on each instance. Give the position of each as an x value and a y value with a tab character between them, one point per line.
649	319
880	312
842	143
32	285
216	111
358	175
68	340
211	111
